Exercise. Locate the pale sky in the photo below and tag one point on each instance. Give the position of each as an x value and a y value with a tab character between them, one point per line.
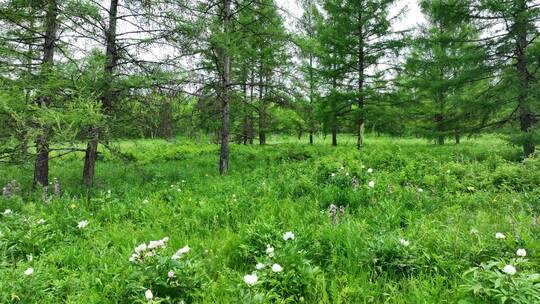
412	17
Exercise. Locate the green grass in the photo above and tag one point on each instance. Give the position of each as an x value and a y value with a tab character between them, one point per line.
285	186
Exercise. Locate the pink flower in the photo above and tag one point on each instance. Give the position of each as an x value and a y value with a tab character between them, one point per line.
170	274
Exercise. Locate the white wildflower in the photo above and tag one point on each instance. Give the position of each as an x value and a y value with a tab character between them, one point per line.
153	245
260	266
371	184
29	271
250	279
148	294
404	242
521	252
82	224
370	170
41	222
277	268
500	236
141	248
270	250
180	252
509	269
184	250
288	236
7	211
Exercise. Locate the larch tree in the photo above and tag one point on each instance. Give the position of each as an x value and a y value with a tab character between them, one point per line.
308	48
444	71
111	59
363	39
225	87
509	32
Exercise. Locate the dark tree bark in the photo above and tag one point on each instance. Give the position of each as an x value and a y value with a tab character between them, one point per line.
311	93
106	98
166	123
251	127
526	116
224	155
440	140
440	117
245	127
262	110
262	124
90	160
458	138
334	136
41	165
360	100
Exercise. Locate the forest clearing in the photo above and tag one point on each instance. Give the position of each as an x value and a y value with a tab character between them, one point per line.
404	222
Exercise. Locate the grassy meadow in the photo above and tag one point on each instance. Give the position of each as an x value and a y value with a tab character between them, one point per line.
427	224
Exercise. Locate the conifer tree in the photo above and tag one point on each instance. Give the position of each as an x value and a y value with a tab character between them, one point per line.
444	70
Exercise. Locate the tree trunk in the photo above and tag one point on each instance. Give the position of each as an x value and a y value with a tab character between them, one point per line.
90	161
251	135
360	134
311	93
458	138
166	124
106	98
262	124
262	110
526	116
440	140
41	165
251	128
262	133
334	136
224	155
244	139
360	100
